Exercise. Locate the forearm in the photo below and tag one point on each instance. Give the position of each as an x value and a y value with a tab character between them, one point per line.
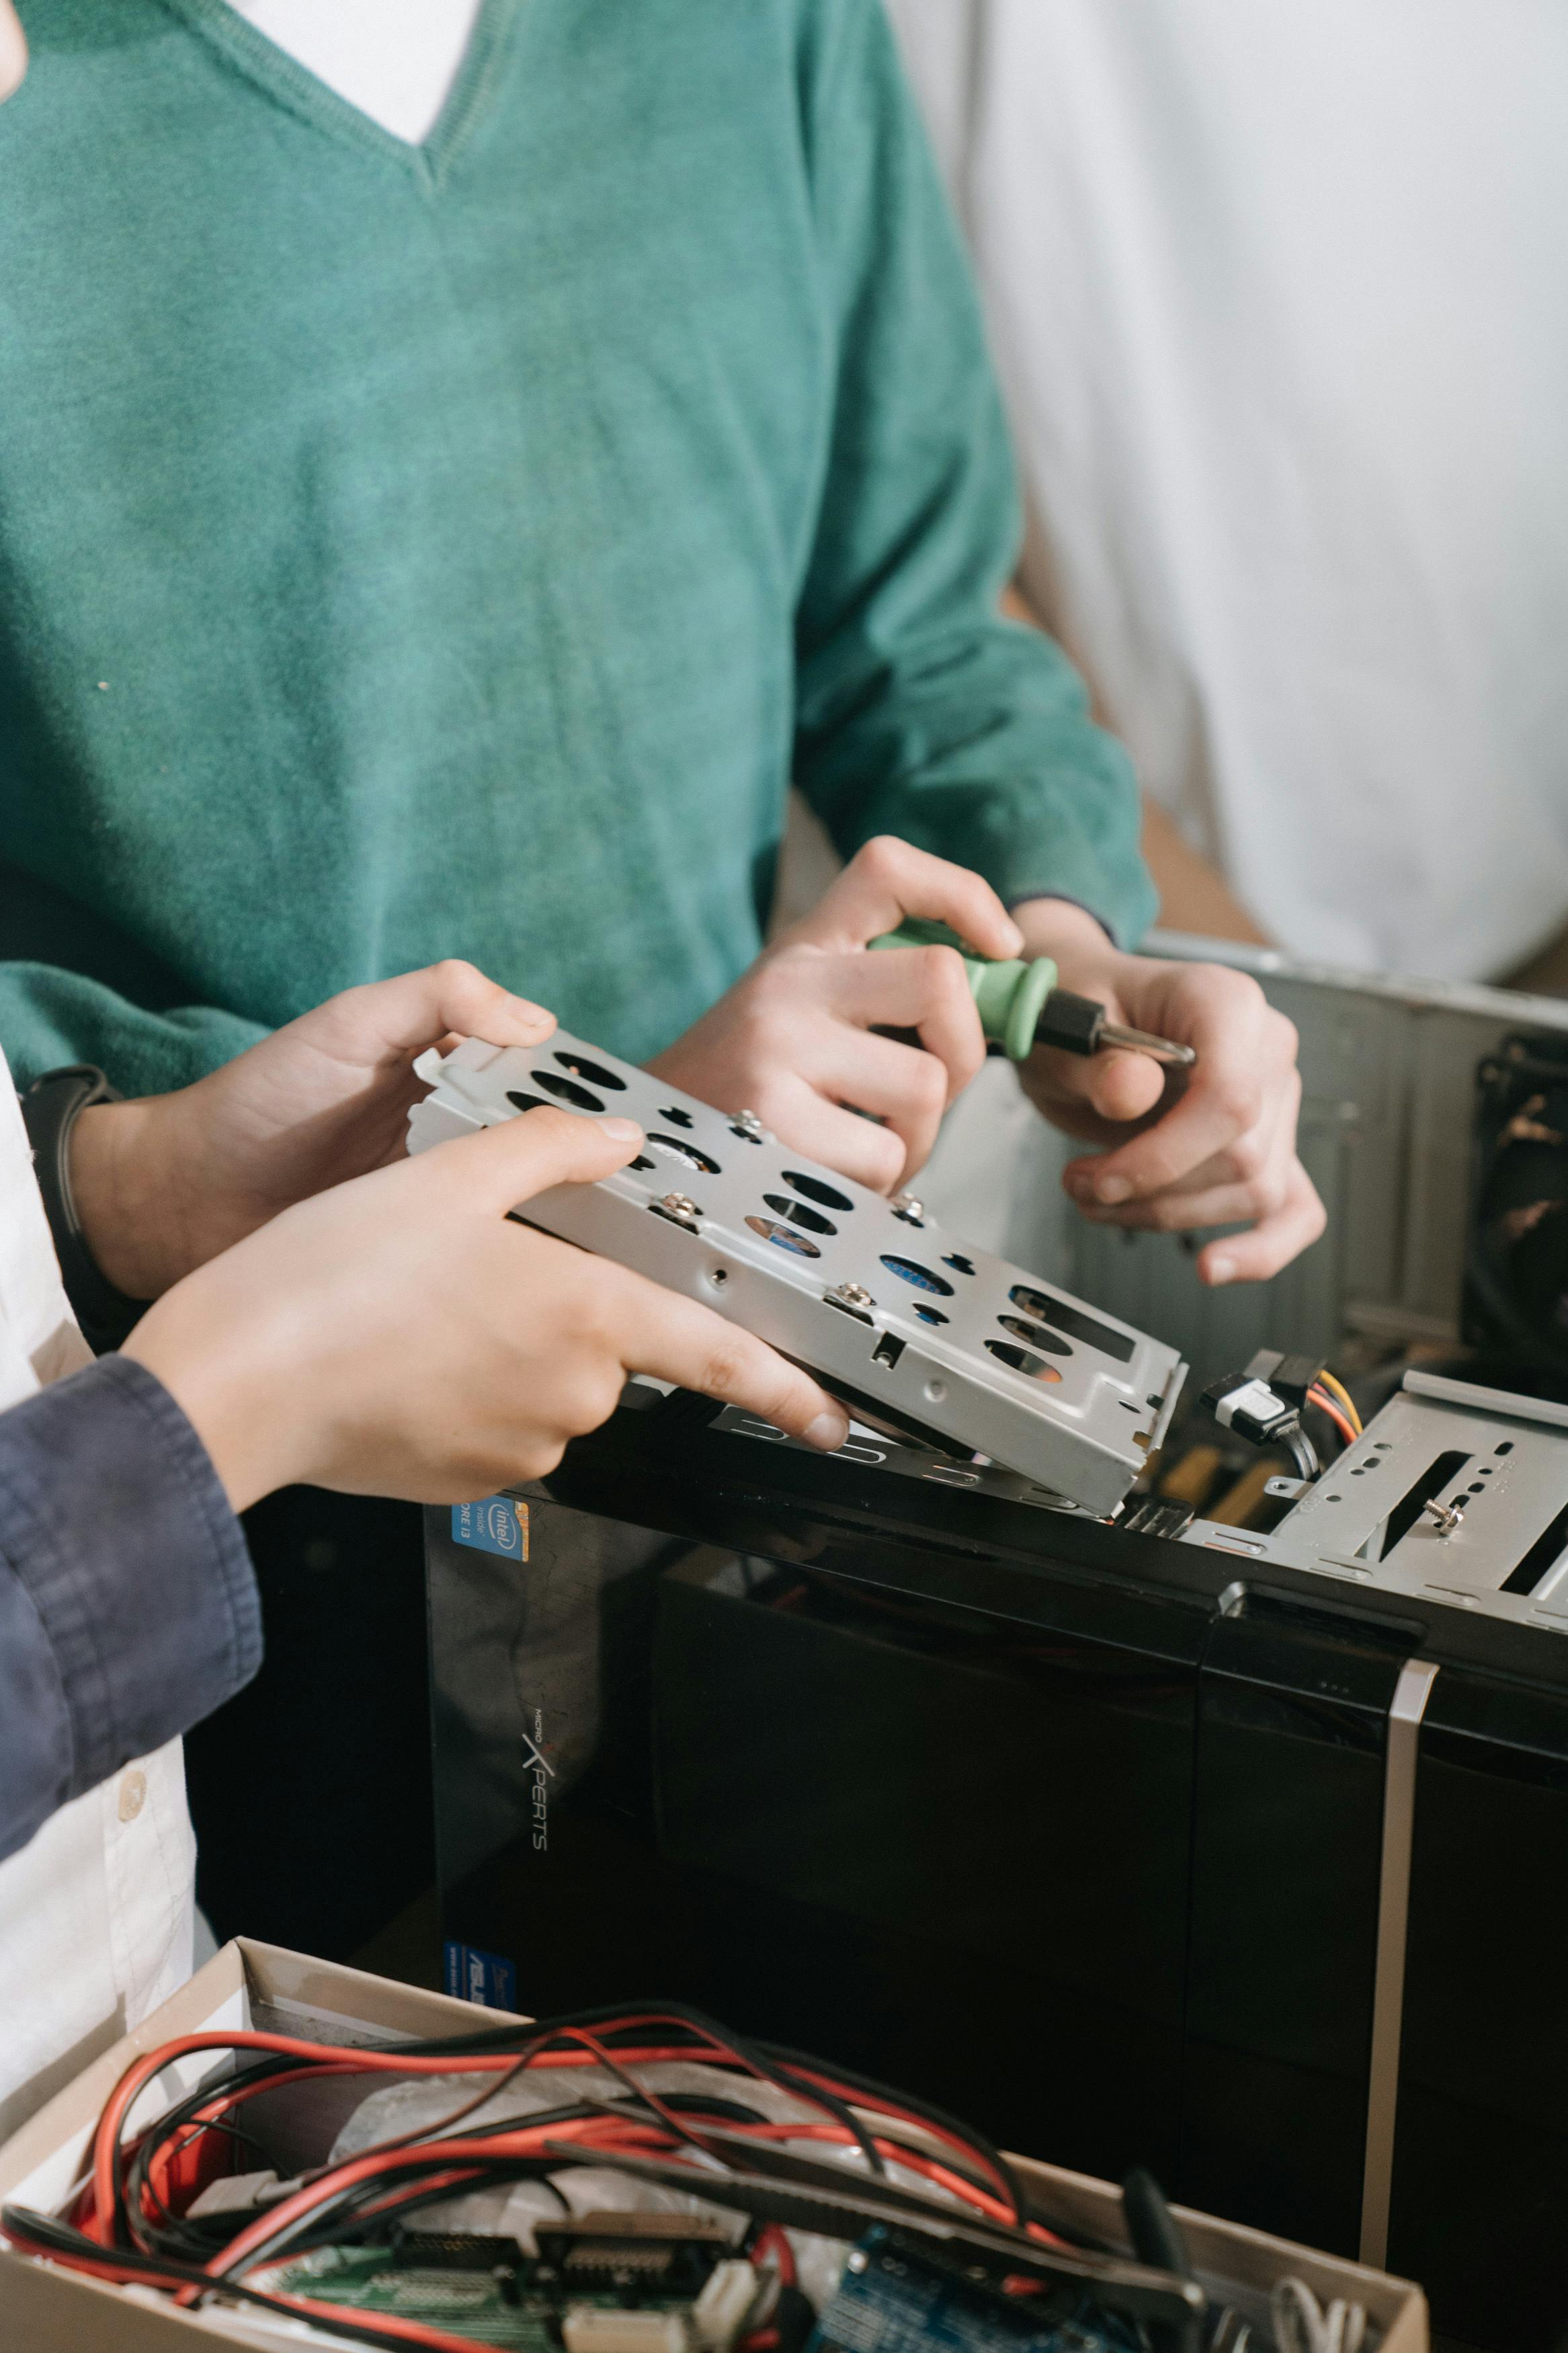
127	1607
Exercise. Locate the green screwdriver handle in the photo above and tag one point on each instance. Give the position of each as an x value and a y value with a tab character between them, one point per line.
1009	996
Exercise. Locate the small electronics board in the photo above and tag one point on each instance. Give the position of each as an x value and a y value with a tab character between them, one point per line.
617	2282
913	1328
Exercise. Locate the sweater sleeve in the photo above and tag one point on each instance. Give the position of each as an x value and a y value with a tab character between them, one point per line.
919	711
127	1605
49	1017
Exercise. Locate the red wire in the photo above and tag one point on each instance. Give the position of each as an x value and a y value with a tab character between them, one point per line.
772	2243
1325	1404
446	2163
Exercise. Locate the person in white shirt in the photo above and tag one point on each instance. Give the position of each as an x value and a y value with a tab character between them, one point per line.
1276	293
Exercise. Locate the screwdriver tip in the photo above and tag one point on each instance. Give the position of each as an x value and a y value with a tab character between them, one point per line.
1143	1041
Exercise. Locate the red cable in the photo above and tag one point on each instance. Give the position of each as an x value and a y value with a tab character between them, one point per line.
1325	1404
771	2242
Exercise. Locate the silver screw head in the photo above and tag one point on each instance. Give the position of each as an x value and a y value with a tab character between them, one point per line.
681	1204
1444	1517
908	1205
853	1295
747	1124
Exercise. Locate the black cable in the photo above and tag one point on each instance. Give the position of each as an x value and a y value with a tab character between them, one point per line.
42	2234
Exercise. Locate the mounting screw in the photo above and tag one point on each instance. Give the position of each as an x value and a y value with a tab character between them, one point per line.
907	1206
680	1208
851	1294
1446	1517
747	1124
857	2261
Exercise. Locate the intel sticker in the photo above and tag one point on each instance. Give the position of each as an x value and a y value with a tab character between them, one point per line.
498	1524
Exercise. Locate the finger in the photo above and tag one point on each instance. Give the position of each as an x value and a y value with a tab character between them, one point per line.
1253	1163
1114	1087
1179	1209
889	879
827	1131
924	989
1243	1064
903	1088
679	1340
419	1008
501	1166
1273	1241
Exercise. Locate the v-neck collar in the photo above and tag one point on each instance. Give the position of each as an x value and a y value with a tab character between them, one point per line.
304	93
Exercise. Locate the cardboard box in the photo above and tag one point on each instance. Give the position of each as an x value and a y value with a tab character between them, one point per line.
44	2307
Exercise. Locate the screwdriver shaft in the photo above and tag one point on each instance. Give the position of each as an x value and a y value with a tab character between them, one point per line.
1143	1041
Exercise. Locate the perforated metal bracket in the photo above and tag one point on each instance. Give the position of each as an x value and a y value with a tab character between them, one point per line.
927	1333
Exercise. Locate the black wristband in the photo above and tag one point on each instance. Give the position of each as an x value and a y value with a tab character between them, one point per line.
49	1108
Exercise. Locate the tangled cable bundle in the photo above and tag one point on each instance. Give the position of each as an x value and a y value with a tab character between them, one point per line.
132	2219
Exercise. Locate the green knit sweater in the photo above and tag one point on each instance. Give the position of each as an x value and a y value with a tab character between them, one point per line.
456	550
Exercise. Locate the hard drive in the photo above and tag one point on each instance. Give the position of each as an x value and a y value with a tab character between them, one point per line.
915	1328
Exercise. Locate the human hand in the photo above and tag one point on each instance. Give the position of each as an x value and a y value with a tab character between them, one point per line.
13	51
163	1184
401	1335
795	1040
1210	1146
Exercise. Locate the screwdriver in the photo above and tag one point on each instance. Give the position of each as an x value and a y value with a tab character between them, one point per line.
1020	1006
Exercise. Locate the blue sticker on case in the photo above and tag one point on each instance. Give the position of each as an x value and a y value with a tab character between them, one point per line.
485	1977
498	1524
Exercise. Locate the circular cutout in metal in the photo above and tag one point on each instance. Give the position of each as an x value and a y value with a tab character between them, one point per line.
595	1073
814	1189
910	1270
519	1102
676	1116
956	1259
1023	1360
567	1091
783	1237
799	1215
691	1154
1037	1334
929	1314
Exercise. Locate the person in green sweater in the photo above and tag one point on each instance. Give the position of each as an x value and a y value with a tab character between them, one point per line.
410	551
449	541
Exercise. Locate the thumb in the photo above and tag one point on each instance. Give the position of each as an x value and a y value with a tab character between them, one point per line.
1116	1085
502	1165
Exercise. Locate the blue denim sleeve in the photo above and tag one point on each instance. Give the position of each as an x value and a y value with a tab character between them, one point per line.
128	1605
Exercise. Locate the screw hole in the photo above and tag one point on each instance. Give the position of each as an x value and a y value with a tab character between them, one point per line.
595	1073
691	1154
567	1091
783	1238
814	1189
909	1270
1025	1361
796	1213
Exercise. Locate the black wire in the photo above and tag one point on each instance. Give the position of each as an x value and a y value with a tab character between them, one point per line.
770	2062
923	2110
693	2022
41	2233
